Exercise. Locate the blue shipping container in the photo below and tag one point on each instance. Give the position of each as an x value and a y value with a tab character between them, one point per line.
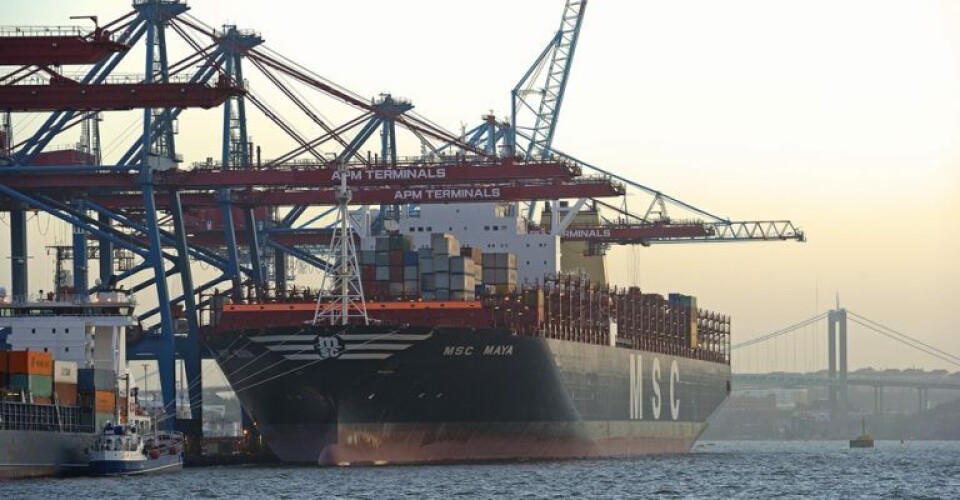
85	379
411	258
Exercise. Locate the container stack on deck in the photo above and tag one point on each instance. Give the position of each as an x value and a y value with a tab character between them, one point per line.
31	374
97	391
500	271
576	309
40	393
443	271
65	382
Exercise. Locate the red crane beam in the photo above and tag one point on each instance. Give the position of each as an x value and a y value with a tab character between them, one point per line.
63	94
315	237
305	176
26	46
586	188
633	233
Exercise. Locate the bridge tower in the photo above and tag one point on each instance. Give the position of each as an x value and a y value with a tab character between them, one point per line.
837	358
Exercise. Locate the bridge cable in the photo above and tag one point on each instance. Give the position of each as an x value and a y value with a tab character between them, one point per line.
780	332
905	342
911	339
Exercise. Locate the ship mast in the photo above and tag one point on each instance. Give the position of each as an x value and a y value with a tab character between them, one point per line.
341	296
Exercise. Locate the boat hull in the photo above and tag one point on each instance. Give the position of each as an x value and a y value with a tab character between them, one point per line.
424	395
162	464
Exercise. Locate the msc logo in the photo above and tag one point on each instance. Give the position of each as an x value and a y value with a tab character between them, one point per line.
328	346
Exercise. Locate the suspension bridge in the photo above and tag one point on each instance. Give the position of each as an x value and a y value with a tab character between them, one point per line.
796	356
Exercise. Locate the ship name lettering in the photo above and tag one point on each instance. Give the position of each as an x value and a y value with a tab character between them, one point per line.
458	350
498	350
655	402
674	382
636	387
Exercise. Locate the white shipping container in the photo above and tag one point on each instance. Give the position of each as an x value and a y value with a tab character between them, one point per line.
442	295
410	273
383	244
462	282
461	265
511	260
411	286
396	288
382	273
462	295
444	244
427	282
426	265
499	276
64	372
488	275
442	280
441	264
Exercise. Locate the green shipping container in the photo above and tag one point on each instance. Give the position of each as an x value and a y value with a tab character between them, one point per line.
102	418
37	385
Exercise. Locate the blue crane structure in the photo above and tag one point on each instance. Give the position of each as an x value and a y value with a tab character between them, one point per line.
261	211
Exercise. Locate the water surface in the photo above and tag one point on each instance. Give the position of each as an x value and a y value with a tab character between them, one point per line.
918	470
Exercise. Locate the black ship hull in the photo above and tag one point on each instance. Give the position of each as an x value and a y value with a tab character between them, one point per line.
372	395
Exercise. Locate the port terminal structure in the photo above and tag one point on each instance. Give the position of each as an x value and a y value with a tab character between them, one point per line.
148	208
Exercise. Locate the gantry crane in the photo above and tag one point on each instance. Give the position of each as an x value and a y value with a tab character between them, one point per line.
535	108
140	203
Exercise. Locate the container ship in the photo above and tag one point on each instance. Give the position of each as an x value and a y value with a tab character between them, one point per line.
483	339
61	365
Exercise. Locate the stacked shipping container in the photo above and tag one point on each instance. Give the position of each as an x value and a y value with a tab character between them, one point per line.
31	373
443	271
575	309
97	390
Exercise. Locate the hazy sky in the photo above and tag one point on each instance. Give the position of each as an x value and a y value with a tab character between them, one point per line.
841	115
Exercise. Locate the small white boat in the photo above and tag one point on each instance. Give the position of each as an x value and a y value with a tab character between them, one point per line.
125	450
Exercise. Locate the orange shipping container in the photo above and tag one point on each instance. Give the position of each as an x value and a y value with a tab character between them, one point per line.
30	363
106	401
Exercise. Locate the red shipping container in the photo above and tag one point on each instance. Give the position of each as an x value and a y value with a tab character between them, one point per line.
66	394
63	157
30	363
41	400
3	362
396	258
396	274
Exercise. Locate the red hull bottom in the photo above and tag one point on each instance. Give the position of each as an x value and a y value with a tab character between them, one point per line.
480	442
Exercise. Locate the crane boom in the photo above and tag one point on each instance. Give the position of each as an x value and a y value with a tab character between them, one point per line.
557	57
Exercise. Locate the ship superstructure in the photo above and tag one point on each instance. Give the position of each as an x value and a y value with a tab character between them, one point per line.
62	374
